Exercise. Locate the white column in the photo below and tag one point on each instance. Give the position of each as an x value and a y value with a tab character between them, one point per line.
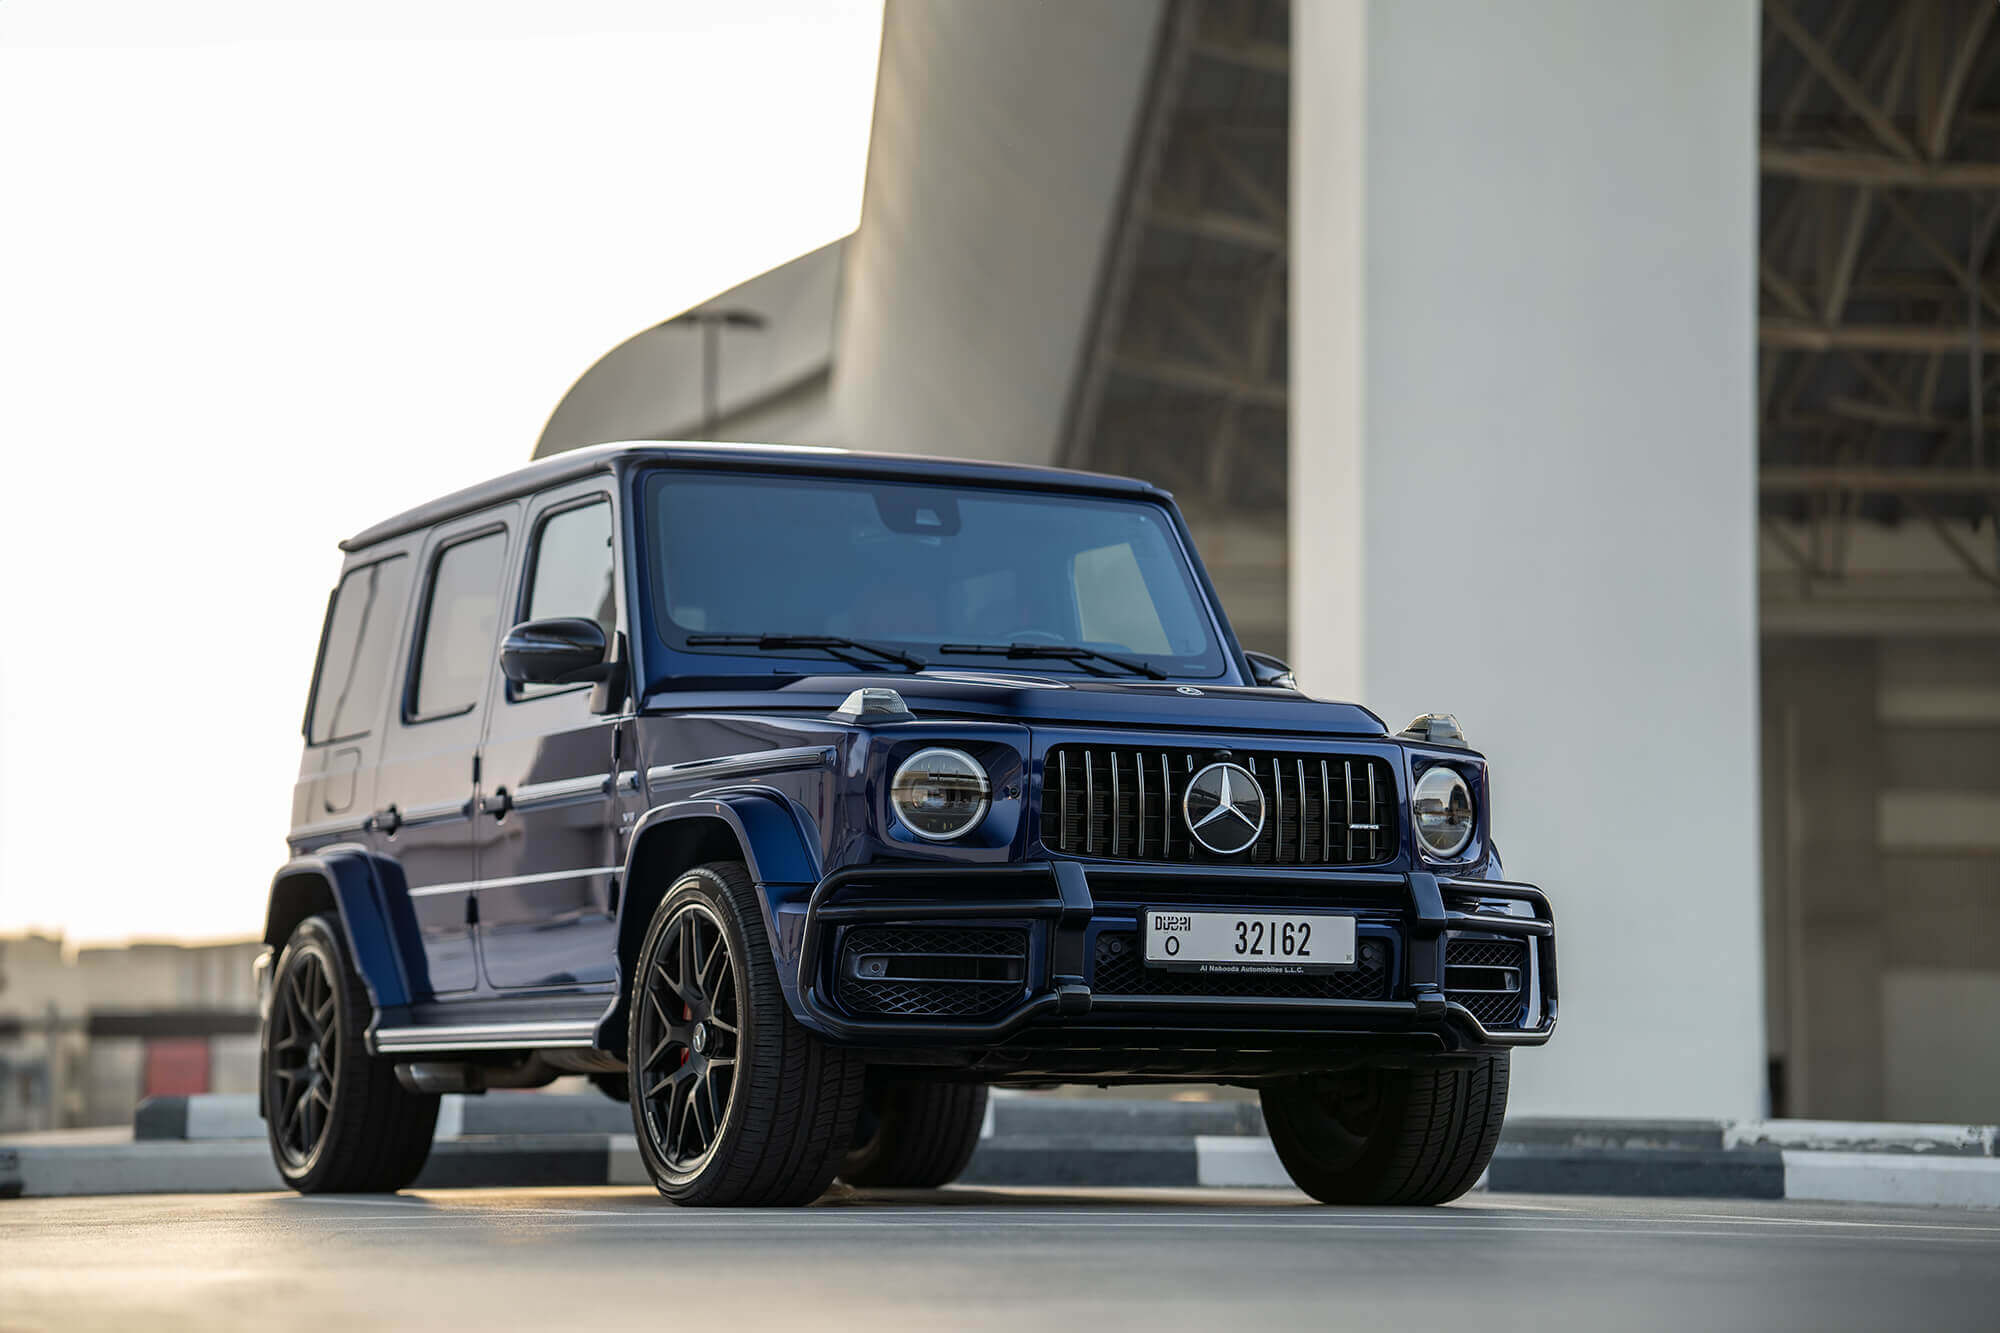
1522	485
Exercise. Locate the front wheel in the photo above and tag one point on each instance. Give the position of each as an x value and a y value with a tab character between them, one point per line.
1389	1136
338	1121
733	1102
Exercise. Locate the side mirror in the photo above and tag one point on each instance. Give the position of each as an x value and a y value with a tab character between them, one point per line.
566	650
1270	672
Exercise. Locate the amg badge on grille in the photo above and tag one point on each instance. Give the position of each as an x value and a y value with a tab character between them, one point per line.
1224	808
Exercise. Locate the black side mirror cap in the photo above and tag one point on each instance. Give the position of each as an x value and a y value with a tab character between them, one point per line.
565	650
1270	672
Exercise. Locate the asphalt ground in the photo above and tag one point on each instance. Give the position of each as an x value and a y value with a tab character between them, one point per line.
981	1258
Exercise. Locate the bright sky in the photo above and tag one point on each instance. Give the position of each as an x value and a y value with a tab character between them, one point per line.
269	273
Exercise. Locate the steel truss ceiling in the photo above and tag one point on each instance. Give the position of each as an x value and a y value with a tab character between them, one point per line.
1878	317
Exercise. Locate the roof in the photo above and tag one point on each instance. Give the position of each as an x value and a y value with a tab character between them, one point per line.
801	458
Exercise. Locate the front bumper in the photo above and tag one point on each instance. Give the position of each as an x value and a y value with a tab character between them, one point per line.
1461	965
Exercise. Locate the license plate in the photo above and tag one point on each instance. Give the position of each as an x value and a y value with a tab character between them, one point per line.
1249	942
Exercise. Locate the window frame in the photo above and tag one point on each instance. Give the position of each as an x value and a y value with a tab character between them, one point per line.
413	667
319	658
513	691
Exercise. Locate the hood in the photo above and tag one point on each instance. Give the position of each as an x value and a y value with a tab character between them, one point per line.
1025	697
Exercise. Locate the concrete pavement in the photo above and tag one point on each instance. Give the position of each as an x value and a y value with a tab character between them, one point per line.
986	1258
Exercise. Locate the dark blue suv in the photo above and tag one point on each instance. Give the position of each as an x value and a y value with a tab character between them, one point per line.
799	796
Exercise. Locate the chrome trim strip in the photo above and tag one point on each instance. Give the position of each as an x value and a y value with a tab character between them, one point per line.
1114	803
1139	769
564	789
486	1036
473	885
331	829
740	765
418	815
1089	807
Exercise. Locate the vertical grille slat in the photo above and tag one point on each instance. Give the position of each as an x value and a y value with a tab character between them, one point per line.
1089	806
1127	806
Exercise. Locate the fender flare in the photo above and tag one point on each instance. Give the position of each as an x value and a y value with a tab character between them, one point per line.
767	831
359	886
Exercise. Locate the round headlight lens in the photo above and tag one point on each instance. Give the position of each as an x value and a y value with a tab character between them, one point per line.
940	794
1442	807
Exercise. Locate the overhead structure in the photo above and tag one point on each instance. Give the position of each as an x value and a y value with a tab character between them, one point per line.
1878	316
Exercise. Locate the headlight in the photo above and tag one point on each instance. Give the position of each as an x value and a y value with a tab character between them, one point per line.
1442	807
940	794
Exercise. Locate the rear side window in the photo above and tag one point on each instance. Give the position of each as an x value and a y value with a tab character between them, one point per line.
461	628
570	573
356	650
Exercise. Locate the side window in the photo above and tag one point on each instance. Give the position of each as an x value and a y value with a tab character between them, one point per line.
570	574
461	628
355	654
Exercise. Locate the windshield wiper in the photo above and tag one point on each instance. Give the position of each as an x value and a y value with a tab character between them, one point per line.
834	645
1087	658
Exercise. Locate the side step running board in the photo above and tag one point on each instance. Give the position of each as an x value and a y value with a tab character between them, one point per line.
486	1036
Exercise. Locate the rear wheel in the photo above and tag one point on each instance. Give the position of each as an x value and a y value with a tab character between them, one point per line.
337	1119
1389	1136
733	1102
915	1135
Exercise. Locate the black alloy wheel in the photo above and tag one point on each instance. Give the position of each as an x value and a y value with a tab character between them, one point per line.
337	1119
690	1030
304	1060
734	1102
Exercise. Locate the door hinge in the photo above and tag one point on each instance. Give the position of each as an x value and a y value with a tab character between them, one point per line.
471	909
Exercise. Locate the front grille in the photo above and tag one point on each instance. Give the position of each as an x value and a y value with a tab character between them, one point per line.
926	971
1118	970
1125	804
1478	974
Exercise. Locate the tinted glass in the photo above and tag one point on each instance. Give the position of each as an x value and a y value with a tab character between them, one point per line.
572	572
359	646
461	627
916	567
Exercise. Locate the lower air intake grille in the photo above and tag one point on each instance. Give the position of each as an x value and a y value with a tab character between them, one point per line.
926	971
1119	971
1489	977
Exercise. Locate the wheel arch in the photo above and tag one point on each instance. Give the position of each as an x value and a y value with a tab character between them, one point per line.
350	883
756	826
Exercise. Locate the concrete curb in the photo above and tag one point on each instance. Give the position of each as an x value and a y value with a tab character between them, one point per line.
215	1144
212	1116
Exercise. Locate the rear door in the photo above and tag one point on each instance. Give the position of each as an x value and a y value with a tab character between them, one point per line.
547	860
426	787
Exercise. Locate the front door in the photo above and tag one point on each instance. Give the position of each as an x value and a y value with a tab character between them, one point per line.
547	860
426	788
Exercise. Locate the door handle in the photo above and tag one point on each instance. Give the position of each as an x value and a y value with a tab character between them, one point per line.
385	821
498	804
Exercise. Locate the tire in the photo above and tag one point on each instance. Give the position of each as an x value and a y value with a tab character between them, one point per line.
733	1102
1389	1136
915	1135
617	1087
337	1120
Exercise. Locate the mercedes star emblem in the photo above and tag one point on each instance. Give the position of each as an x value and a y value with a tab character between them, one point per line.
1224	808
1186	689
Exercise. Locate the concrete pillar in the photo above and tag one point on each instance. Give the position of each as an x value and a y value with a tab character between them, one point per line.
1522	478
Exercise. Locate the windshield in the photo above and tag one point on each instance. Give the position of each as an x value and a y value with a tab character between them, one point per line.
936	571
